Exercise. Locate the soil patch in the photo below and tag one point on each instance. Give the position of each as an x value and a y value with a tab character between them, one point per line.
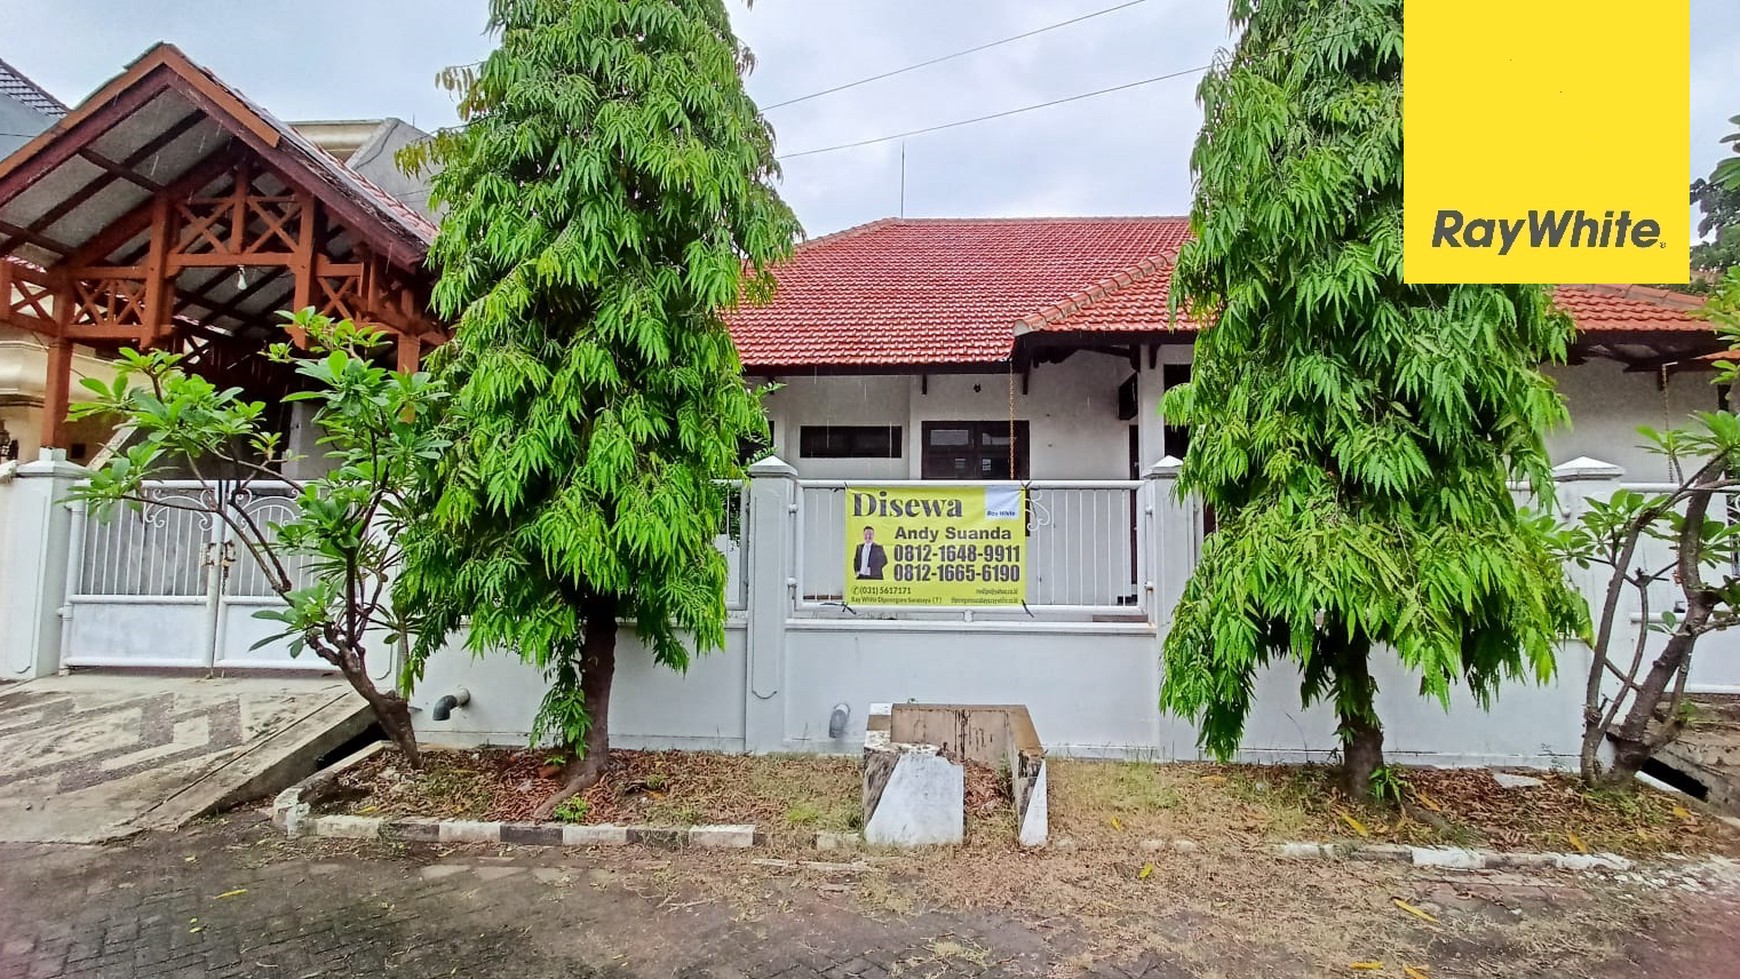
780	794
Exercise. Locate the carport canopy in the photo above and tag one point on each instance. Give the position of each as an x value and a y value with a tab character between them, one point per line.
168	211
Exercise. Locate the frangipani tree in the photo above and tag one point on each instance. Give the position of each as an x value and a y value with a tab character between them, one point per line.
608	197
1354	434
333	561
1633	703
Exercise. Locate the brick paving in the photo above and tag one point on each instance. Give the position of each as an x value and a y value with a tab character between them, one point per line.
230	898
224	901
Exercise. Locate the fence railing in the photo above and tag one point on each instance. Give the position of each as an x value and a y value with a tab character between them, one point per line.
1084	544
163	548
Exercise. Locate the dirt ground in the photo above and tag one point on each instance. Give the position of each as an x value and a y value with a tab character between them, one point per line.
1102	804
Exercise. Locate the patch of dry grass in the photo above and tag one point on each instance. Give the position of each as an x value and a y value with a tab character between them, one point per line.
1244	806
783	795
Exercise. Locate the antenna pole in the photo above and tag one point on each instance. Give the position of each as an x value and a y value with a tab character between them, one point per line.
903	178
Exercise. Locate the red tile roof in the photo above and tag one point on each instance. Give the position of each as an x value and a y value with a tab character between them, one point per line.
906	292
1630	309
915	291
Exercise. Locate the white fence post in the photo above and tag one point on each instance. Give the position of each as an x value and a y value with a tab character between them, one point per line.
768	561
36	545
1172	539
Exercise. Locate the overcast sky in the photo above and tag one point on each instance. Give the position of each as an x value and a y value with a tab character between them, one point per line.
1124	153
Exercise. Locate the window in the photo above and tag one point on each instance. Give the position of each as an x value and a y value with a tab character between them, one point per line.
1175	439
849	441
974	450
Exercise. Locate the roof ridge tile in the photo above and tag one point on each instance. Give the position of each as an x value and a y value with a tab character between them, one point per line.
1075	301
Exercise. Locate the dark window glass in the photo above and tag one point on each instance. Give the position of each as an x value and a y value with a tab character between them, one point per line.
849	441
1175	439
974	450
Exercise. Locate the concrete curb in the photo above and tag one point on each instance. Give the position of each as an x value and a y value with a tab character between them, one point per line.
292	808
1450	858
292	812
415	830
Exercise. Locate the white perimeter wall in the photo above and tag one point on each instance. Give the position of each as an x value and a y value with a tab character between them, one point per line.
650	706
1092	686
1092	690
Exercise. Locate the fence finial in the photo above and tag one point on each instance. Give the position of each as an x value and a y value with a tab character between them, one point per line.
1586	468
1167	468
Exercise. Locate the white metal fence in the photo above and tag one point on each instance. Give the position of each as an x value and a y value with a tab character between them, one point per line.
1083	544
167	583
1716	659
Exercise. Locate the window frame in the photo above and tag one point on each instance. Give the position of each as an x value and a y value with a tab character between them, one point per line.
931	460
857	441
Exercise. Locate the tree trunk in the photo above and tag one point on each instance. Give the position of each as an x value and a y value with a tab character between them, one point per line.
597	670
1362	752
1362	736
1633	746
391	711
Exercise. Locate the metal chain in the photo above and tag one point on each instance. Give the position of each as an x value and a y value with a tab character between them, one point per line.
1012	473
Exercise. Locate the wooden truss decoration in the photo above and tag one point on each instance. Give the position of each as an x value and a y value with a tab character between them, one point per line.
231	220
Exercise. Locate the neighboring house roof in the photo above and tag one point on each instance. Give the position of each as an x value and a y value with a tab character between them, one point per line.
370	148
917	292
15	86
161	118
1631	309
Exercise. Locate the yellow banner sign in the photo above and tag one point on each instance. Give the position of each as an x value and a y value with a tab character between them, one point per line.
936	545
1546	141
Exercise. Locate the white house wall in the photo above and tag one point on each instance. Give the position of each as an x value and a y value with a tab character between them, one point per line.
1607	405
1071	410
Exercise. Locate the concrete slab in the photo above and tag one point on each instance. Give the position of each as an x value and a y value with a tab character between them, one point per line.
92	757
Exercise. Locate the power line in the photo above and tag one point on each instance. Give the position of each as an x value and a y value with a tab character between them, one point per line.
1035	106
996	115
949	57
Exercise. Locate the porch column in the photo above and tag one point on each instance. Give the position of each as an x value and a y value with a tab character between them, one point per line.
769	566
57	393
35	543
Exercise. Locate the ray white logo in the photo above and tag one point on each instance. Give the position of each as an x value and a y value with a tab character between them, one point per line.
1546	229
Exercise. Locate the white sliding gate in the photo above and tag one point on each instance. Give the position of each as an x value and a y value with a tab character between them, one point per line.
167	585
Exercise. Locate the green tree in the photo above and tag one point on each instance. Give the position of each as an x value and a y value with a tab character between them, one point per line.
333	561
607	197
1718	198
1353	434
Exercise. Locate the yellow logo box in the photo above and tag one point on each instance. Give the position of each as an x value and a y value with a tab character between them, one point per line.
1546	141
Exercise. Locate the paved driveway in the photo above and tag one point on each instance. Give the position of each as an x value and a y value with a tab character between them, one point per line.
230	898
